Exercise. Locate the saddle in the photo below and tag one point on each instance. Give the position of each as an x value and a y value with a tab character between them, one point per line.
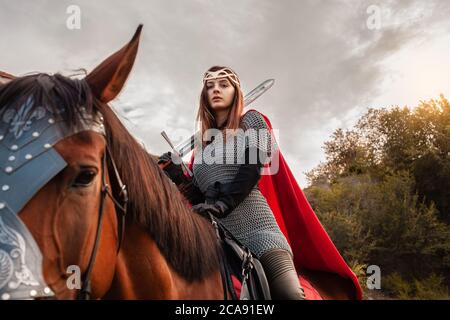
238	261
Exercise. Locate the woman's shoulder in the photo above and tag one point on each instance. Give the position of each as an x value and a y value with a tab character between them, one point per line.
254	119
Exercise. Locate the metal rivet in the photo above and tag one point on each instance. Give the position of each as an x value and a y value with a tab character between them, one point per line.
2	205
5	296
35	134
28	156
14	147
33	293
51	120
11	158
1	138
47	290
8	169
5	187
47	145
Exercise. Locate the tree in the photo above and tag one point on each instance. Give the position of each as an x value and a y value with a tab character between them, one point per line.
383	193
386	141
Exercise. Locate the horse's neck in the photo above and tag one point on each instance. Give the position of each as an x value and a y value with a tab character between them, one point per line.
142	272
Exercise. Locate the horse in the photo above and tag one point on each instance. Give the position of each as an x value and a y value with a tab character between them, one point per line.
94	200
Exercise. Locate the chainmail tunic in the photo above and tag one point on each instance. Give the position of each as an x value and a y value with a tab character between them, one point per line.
252	221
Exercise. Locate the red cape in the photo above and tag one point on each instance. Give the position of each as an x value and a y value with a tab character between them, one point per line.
312	247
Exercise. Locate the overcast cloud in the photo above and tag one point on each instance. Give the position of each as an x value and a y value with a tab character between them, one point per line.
328	65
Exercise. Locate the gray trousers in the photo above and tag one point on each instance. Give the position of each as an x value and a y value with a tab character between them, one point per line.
281	275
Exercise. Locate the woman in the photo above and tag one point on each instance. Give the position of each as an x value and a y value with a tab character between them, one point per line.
226	171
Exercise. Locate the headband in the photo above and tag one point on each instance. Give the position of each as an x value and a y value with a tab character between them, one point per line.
222	73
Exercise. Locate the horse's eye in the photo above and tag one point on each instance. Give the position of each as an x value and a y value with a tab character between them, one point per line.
84	178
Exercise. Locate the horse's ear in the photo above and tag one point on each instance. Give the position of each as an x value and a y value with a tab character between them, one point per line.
107	79
6	77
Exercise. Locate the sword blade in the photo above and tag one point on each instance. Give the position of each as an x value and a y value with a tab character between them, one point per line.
258	91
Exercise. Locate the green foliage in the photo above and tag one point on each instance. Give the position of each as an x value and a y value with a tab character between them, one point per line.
432	176
383	222
395	285
430	288
383	196
386	141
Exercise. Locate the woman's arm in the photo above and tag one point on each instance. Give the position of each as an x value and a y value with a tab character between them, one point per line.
186	185
190	191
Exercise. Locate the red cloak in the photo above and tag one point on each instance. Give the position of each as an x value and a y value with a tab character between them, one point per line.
315	255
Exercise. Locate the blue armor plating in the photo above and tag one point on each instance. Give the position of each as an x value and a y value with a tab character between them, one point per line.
27	162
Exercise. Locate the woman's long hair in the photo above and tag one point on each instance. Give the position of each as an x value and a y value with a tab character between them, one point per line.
205	113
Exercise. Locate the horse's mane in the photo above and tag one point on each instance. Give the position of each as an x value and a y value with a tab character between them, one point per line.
186	240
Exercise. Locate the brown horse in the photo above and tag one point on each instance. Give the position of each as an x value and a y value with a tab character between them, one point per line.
167	252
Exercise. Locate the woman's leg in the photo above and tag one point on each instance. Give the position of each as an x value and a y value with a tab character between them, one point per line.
281	275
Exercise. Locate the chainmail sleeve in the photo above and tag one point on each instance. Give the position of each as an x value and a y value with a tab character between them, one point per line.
259	138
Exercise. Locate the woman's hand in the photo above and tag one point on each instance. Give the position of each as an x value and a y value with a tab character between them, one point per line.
165	157
174	171
218	209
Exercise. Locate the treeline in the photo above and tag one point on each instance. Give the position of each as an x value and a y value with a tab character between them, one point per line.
383	194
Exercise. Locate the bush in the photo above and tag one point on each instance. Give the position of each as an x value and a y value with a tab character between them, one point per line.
394	285
430	288
383	196
383	223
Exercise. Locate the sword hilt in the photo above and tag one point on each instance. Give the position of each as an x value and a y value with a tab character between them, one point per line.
183	165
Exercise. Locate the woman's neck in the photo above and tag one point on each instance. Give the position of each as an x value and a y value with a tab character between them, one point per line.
221	117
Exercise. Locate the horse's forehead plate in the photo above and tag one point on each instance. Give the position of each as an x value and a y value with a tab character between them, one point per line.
27	157
27	162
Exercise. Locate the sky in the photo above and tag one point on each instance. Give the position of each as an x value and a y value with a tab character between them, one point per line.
331	59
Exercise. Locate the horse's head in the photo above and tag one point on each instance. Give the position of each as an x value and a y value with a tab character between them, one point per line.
61	197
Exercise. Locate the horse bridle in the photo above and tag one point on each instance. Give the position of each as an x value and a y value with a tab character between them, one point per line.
106	190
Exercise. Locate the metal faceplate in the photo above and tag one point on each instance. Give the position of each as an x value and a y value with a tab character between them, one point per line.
28	161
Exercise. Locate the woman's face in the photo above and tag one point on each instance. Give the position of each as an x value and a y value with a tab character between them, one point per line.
220	94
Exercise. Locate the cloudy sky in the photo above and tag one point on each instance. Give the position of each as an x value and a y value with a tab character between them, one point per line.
331	59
